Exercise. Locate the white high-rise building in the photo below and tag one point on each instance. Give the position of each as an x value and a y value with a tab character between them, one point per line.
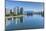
7	11
16	10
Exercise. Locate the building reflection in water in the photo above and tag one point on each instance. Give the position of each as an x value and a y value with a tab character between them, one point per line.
21	19
18	20
15	20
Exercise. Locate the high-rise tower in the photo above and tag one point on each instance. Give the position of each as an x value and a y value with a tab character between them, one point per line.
21	10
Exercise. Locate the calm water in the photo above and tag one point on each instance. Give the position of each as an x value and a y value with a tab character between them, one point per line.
35	21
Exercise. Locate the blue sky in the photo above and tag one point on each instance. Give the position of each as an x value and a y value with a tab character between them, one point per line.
26	5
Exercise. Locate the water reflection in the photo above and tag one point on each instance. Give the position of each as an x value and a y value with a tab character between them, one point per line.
35	21
21	19
16	20
9	18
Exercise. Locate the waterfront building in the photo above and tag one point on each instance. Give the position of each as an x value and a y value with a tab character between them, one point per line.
21	10
10	11
7	11
16	10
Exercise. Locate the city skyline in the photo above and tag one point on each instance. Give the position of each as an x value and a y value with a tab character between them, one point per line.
28	6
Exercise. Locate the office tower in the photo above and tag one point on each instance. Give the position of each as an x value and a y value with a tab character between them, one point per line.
21	10
10	11
7	11
16	10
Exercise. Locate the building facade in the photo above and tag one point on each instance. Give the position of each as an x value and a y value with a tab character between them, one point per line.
7	11
21	10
